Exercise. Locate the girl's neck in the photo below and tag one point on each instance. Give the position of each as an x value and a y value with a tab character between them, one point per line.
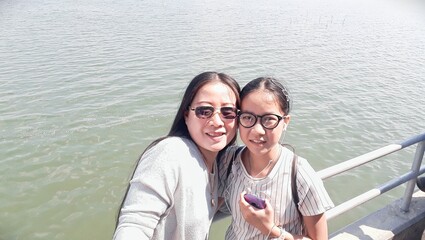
259	165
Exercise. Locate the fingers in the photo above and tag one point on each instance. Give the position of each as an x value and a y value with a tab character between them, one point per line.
243	202
268	205
261	219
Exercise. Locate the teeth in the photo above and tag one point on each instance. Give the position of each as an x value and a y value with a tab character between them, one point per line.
215	134
257	141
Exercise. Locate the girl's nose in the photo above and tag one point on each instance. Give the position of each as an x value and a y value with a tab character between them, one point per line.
259	128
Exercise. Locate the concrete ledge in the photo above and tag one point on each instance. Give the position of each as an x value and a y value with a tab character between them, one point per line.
388	223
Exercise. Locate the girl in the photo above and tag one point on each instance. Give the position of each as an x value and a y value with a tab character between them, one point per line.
173	190
263	169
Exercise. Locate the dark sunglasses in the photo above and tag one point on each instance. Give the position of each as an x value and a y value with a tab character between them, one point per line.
204	112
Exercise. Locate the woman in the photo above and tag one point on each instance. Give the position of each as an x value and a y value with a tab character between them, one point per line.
173	190
263	169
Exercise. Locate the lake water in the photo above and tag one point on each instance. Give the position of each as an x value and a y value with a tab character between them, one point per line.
86	85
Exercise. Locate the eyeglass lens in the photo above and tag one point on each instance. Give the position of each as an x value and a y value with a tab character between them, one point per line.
268	121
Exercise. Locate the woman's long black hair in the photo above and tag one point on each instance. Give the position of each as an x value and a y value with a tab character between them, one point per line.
179	128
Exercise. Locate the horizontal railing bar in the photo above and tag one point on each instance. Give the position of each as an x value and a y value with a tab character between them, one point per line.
400	180
362	198
350	204
413	140
370	156
357	161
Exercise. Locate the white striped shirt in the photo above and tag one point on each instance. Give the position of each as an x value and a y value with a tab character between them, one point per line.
313	198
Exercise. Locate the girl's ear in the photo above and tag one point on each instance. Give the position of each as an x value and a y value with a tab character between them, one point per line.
287	119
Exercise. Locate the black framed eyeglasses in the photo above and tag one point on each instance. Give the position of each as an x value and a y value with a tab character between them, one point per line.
268	121
204	112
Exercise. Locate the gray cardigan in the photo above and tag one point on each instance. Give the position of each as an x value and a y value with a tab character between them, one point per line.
169	195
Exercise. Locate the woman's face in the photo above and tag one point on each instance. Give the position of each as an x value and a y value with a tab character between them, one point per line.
214	133
261	141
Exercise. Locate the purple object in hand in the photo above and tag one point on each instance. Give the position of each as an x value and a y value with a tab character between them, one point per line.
255	201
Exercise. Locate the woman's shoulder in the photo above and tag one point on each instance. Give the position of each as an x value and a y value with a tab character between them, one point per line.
177	140
174	143
170	148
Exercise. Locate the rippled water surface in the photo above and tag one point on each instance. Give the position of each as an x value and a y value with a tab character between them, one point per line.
85	86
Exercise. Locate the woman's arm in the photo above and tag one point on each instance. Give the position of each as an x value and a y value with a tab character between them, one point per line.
141	211
149	197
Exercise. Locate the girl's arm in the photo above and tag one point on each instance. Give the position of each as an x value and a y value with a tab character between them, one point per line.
317	227
262	219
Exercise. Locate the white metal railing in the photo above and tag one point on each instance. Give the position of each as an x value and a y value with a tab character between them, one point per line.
409	177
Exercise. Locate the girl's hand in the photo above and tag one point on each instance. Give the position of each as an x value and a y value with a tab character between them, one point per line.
262	219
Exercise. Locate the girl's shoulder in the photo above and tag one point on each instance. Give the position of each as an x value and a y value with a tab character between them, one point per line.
229	155
289	154
227	159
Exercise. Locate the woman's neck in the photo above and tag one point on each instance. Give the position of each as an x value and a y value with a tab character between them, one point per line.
209	159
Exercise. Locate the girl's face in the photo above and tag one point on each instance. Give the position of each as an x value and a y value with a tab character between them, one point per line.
261	141
214	133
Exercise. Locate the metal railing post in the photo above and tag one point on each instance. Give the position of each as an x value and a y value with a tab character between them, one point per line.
417	161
